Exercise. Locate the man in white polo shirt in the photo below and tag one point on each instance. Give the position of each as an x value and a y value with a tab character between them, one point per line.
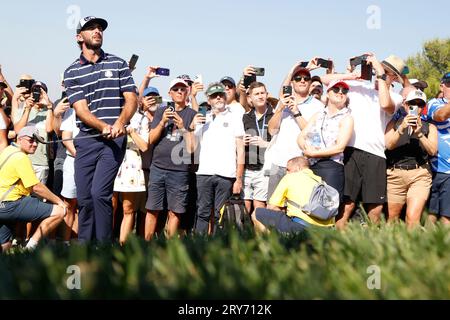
289	119
372	106
220	139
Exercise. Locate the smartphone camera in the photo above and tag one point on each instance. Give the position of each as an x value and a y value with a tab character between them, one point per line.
163	72
203	110
36	93
26	83
171	106
248	80
327	64
287	90
133	61
259	71
358	60
158	99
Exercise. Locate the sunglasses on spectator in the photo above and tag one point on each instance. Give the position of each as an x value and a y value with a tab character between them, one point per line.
419	104
339	89
182	89
30	140
217	94
299	78
228	86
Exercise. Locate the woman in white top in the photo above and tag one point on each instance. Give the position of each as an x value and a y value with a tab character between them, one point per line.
326	135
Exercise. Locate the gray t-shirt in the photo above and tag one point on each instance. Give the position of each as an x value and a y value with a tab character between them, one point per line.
170	151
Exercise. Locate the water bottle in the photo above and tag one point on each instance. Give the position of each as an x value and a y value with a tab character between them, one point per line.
314	138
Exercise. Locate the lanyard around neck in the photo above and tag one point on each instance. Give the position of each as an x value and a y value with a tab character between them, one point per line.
260	130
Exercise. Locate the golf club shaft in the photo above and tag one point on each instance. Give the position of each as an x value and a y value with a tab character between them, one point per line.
75	138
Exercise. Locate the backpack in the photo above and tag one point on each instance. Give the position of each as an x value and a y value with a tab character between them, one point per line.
323	203
233	213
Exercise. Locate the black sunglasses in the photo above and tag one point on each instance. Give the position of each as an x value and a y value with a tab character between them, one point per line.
217	94
419	104
337	89
299	78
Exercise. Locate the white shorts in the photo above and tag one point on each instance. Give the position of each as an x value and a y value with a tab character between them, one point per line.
69	189
255	185
41	173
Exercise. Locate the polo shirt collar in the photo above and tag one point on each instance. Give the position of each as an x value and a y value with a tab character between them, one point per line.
103	56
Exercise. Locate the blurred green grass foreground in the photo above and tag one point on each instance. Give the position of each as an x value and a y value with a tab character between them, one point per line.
384	262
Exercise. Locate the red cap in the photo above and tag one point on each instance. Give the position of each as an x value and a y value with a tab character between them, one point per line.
334	83
301	70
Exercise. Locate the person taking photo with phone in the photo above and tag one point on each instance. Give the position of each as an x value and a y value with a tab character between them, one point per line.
296	107
326	135
173	143
102	92
372	106
409	144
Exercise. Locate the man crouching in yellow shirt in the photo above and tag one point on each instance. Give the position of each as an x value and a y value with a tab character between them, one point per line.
17	181
297	186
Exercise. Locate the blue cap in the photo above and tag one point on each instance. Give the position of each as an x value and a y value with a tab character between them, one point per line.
446	78
150	90
229	79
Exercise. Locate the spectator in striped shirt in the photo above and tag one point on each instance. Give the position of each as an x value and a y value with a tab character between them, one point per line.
103	94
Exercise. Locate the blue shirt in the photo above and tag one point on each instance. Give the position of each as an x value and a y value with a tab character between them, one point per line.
101	84
440	163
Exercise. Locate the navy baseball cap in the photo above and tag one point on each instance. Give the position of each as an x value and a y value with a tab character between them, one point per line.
86	21
229	79
150	90
446	78
41	84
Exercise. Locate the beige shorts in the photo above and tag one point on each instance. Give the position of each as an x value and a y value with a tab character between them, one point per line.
403	184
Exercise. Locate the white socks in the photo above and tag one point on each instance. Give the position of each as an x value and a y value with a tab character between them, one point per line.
31	245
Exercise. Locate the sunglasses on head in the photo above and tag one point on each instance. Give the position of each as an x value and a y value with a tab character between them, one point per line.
341	89
299	78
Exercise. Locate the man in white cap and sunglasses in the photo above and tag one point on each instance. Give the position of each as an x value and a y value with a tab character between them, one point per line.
372	106
102	92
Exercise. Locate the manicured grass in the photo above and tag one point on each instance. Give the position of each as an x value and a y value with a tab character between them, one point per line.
326	264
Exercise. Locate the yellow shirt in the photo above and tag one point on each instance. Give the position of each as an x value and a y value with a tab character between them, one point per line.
18	167
298	187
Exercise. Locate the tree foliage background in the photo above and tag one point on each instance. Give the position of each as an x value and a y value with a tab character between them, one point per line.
430	64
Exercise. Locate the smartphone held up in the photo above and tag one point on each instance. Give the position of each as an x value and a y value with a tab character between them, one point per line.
163	72
133	60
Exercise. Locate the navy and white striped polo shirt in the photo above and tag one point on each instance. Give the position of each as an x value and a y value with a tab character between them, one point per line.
102	84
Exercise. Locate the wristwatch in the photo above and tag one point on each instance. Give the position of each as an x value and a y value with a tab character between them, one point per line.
382	76
299	114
